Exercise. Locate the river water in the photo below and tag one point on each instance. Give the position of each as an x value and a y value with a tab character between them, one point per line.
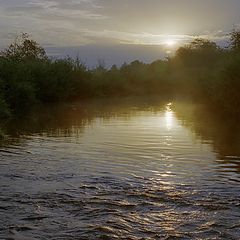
129	169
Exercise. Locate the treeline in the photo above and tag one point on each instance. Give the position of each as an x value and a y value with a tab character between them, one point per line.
200	70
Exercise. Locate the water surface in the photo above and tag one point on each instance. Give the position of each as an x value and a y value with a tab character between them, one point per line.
126	169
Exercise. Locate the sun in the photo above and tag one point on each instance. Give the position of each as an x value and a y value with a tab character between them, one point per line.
170	42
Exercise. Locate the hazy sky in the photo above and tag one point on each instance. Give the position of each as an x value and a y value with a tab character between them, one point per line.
117	30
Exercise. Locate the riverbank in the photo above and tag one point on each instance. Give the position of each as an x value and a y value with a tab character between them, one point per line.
201	71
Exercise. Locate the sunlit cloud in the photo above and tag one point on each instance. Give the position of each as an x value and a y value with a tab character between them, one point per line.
154	39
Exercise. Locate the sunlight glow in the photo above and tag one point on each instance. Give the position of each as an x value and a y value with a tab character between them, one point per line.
170	42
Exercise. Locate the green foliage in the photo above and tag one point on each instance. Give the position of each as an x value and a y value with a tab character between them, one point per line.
54	82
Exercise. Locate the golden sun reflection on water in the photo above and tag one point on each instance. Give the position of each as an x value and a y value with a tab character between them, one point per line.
169	116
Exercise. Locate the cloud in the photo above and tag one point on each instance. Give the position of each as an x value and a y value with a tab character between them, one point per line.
102	22
50	22
60	9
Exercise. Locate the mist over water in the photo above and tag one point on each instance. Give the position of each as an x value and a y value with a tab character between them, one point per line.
120	169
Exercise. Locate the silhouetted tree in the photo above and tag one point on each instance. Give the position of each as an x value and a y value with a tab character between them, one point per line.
24	48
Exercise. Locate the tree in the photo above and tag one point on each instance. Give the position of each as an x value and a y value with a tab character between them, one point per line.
203	44
235	40
196	53
23	48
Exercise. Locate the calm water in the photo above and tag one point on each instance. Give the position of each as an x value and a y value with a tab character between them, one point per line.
120	170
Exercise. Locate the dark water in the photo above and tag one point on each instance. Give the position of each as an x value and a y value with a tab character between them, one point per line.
120	170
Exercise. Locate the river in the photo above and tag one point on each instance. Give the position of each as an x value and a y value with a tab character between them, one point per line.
120	169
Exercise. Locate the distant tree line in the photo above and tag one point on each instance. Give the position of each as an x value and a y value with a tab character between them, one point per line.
200	70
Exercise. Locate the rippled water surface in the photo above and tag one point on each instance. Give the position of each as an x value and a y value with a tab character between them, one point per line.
120	170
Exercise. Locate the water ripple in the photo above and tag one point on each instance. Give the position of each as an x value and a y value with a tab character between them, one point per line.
133	176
